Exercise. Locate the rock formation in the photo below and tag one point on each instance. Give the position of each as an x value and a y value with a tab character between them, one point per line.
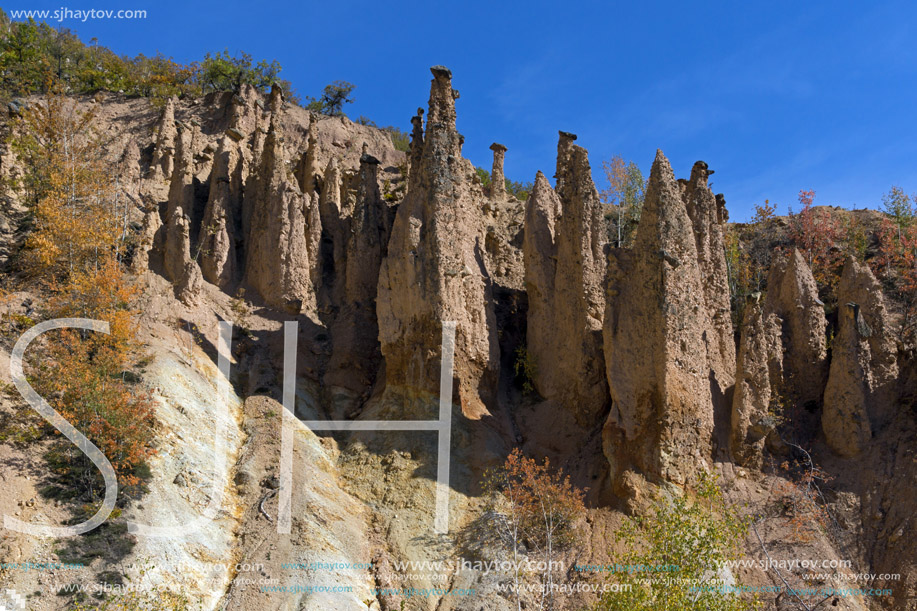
435	271
758	378
416	153
564	276
179	264
656	347
281	260
497	180
356	355
244	113
164	150
708	216
864	369
224	205
146	240
792	294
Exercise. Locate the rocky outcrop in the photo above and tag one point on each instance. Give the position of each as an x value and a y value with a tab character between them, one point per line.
244	113
179	264
356	355
859	395
708	216
656	352
281	260
146	240
792	294
224	205
164	150
758	378
435	270
497	179
564	277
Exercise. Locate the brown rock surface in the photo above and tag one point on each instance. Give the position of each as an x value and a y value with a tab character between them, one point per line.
435	269
564	273
758	377
282	249
224	205
792	294
661	420
860	392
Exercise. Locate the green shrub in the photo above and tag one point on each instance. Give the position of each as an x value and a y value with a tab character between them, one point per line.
691	537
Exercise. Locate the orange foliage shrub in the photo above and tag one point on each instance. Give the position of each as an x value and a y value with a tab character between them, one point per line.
74	256
816	233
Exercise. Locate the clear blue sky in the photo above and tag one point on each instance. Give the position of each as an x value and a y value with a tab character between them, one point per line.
776	96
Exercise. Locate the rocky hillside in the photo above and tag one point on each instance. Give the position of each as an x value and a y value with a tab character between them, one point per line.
621	365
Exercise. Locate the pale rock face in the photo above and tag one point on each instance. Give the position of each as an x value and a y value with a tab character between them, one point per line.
792	294
435	268
564	277
245	112
281	260
164	150
218	228
864	367
661	421
758	378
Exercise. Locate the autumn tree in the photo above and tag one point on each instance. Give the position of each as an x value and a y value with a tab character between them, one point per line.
625	191
817	232
79	221
896	260
533	510
74	255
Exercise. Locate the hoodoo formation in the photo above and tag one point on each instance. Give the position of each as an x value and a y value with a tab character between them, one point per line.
639	370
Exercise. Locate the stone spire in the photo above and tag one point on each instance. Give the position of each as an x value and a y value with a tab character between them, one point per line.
792	295
164	150
564	277
218	228
356	356
864	368
662	420
708	217
281	260
759	376
435	269
180	205
497	180
416	141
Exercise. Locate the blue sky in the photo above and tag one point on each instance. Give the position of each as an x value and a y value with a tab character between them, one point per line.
776	96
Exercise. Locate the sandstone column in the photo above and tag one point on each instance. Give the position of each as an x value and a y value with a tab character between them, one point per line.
564	277
661	421
497	180
860	392
435	268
